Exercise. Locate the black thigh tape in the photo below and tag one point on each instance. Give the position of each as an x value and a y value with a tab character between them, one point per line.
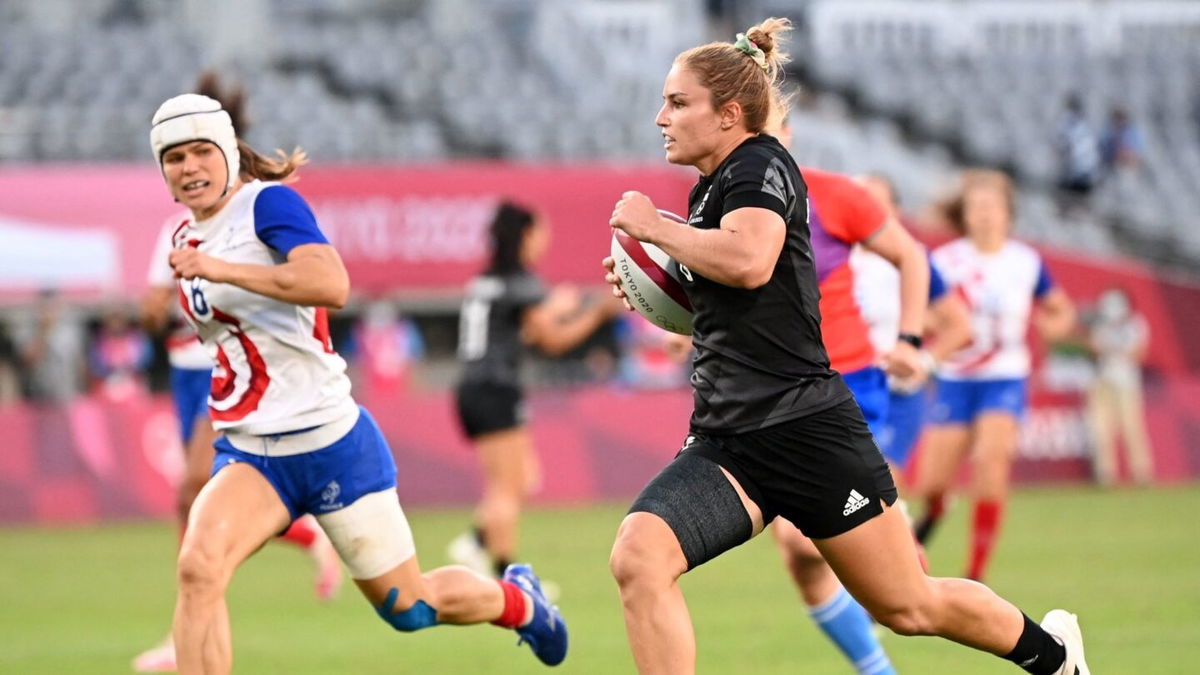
704	511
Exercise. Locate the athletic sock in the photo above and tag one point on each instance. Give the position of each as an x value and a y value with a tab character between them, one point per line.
499	565
515	606
1037	651
848	625
985	526
935	506
301	533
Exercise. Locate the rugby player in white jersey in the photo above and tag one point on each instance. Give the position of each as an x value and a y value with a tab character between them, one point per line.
190	377
256	277
981	389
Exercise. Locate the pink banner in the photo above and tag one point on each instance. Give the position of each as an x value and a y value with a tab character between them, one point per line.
100	460
414	228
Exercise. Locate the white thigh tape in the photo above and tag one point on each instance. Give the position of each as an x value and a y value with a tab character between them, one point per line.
371	535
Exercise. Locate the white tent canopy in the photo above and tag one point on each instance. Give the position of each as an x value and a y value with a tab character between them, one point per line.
36	255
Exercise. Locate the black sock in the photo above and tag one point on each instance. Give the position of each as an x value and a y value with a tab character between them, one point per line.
1037	651
924	528
499	565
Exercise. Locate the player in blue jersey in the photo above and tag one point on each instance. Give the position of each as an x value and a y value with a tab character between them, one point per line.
256	276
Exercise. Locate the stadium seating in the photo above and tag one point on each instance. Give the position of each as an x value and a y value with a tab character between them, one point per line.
989	79
915	89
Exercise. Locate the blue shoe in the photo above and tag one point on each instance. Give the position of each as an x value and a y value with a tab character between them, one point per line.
547	632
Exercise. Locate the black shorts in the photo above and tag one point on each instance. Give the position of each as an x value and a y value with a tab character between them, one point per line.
823	472
485	407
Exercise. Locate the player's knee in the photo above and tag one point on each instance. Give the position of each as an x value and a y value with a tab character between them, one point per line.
636	561
419	615
914	618
199	570
501	506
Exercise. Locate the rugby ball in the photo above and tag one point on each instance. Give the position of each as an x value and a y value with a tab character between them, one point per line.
650	279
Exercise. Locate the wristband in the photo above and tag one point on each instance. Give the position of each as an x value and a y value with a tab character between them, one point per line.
910	338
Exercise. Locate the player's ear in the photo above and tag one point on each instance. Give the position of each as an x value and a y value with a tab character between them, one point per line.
731	115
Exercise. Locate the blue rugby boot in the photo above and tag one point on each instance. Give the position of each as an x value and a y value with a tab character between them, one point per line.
547	632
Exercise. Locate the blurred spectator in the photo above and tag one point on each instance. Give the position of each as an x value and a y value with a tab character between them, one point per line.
118	356
1118	338
10	368
1121	146
52	351
1079	154
386	345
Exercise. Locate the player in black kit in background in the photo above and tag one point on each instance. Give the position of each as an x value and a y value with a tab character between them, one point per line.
774	431
506	308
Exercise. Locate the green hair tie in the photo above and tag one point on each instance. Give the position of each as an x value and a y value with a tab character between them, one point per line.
752	50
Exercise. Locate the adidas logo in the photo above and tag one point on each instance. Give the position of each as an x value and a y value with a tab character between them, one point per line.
854	503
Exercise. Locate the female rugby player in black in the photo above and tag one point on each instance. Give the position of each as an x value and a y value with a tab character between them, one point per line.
506	308
774	431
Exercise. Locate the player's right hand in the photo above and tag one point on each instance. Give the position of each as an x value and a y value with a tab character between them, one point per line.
614	280
190	263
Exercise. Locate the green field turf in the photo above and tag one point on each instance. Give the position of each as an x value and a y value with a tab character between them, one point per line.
1128	562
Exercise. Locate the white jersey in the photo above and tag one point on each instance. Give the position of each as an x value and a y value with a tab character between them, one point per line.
276	370
877	292
183	347
999	289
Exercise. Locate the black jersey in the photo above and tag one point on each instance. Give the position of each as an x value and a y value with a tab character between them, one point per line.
489	334
759	356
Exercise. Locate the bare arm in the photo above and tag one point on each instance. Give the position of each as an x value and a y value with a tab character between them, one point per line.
741	253
555	332
155	308
1054	316
313	275
897	246
950	322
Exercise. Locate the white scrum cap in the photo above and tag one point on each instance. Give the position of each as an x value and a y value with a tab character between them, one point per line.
192	117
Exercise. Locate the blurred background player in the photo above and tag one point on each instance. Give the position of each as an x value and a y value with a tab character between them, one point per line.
257	276
947	328
774	431
505	308
844	216
982	388
1118	337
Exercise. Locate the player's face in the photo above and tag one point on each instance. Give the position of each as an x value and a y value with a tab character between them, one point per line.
985	212
196	175
690	125
535	243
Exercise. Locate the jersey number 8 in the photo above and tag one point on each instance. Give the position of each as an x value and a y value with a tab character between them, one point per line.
199	303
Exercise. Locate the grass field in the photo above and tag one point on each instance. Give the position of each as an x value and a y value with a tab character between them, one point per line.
86	600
